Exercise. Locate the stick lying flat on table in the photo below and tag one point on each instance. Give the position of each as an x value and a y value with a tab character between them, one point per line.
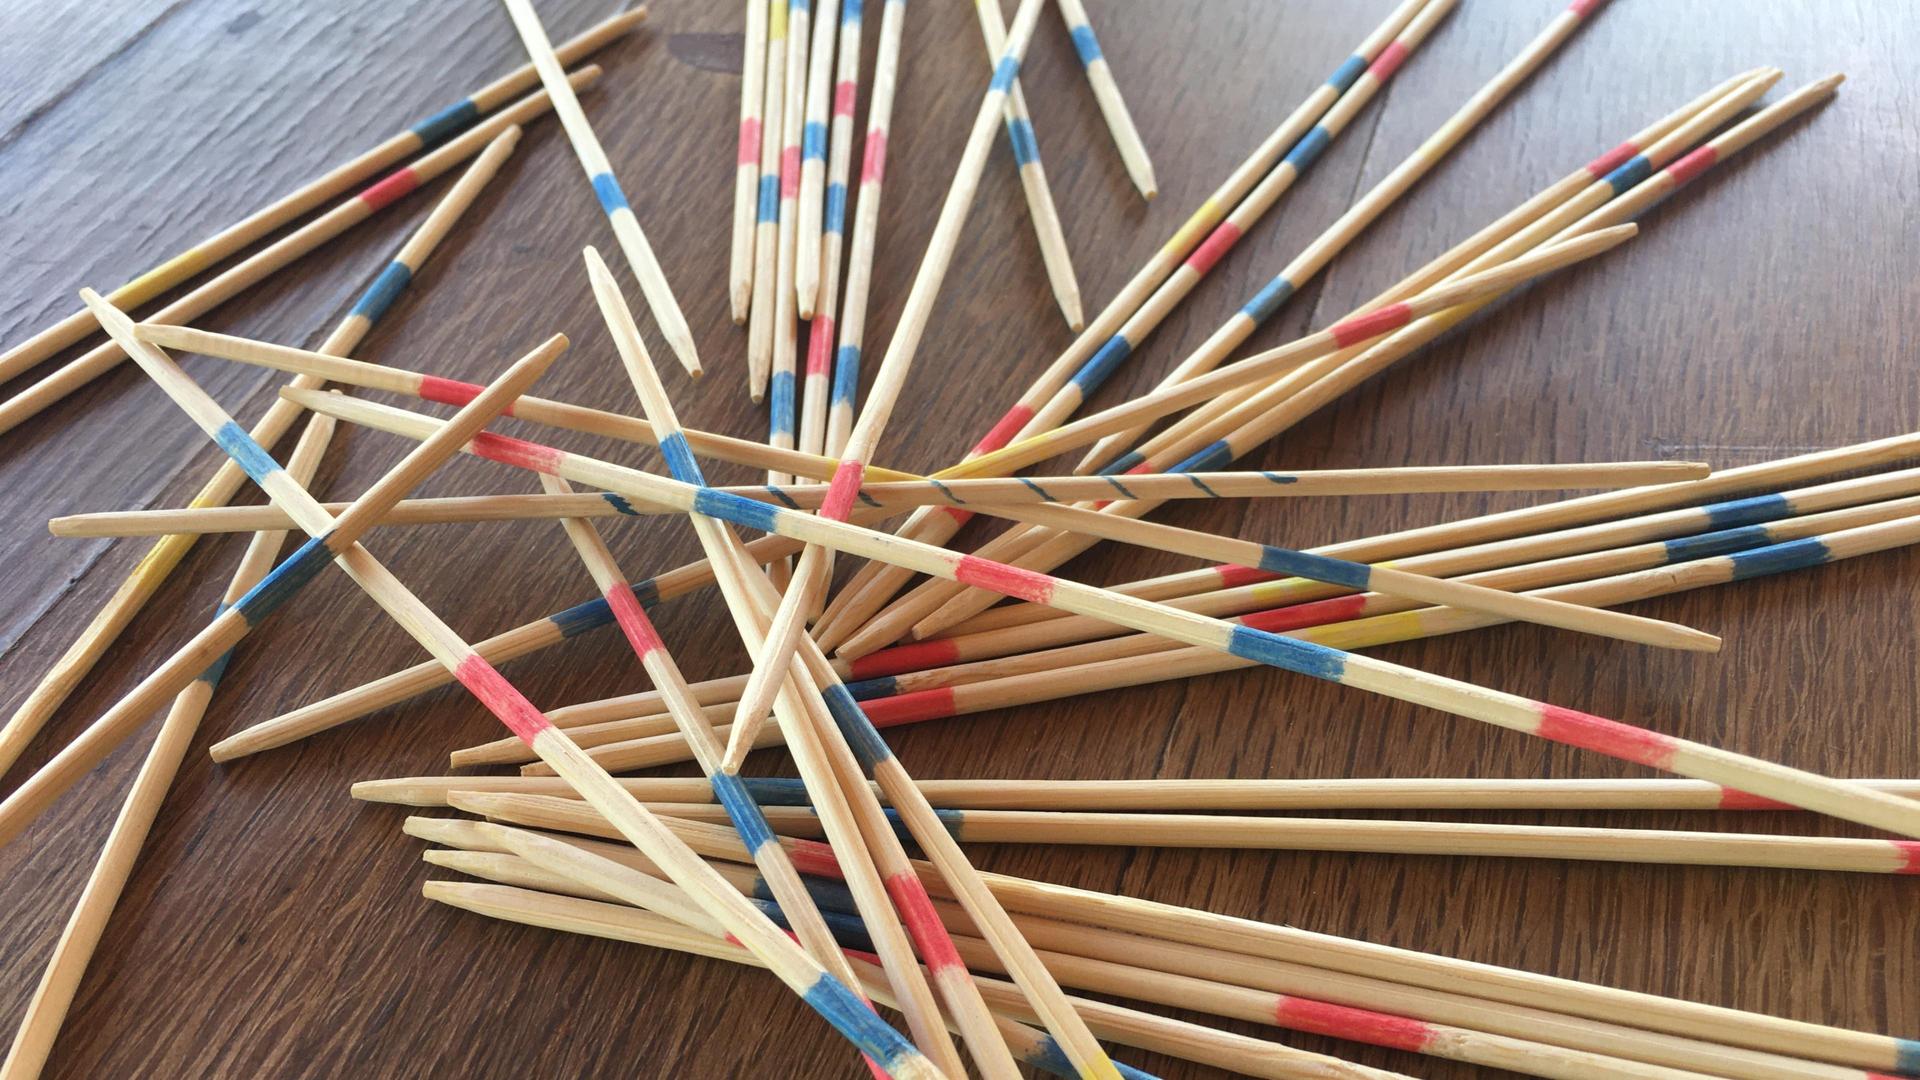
157	564
425	135
586	147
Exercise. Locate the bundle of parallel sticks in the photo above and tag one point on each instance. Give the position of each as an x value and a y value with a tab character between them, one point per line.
814	876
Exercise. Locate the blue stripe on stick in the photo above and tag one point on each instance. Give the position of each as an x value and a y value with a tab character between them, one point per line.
769	209
595	613
745	814
777	790
607	190
738	509
1026	148
847	930
868	689
1906	1056
1101	364
850	11
1347	73
813	141
1086	44
679	458
283	581
866	742
1712	544
1751	511
619	504
1308	148
1278	560
385	289
1778	558
780	404
1636	169
252	458
836	219
852	1018
1268	299
1290	653
846	375
1206	459
1007	70
1122	463
445	124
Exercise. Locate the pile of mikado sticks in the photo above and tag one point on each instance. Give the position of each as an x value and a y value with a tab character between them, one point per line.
812	877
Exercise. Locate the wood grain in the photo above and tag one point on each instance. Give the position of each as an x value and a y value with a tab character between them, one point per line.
274	927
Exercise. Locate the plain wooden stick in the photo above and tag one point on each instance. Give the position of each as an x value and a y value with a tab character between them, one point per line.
159	561
422	136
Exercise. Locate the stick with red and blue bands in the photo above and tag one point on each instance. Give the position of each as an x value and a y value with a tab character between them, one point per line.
1126	137
593	159
766	225
820	332
1510	235
833	1000
741	809
1033	177
423	136
1632	544
259	266
157	564
730	564
866	225
821	91
1118	348
781	410
1565	725
746	183
1613	178
810	575
874	584
225	631
1562	514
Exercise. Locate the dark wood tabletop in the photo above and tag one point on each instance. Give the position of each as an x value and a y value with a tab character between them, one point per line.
274	927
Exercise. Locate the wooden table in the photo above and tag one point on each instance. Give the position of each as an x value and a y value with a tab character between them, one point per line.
274	927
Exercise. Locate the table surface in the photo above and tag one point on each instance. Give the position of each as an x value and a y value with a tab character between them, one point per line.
274	926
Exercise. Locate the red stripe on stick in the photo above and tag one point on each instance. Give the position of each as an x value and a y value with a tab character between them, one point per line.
1232	577
501	699
841	490
1214	247
1013	581
813	858
1609	737
1345	1022
918	656
923	924
1004	431
1373	324
511	451
1735	799
1389	62
1911	849
453	392
909	708
873	163
632	619
1599	167
749	142
395	185
1318	613
843	94
1692	165
820	346
790	172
